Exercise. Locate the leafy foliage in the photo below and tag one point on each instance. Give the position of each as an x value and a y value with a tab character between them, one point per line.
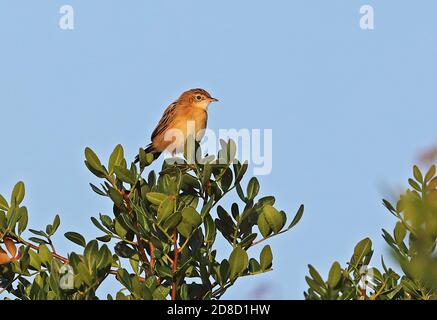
164	225
412	242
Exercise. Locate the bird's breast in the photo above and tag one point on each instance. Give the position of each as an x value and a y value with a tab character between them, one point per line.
192	119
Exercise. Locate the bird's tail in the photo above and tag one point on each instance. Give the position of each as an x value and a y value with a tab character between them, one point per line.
149	149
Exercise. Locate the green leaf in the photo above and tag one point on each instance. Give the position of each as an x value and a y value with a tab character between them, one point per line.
232	150
3	221
188	182
430	174
84	274
98	225
124	251
105	238
235	211
90	253
3	204
185	229
263	226
76	238
240	192
35	261
253	188
315	275
22	222
135	264
248	240
116	158
161	293
266	258
191	216
414	185
164	271
238	262
93	161
172	221
334	275
240	171
146	159
124	278
115	196
273	217
210	229
120	227
297	217
12	218
170	185
151	283
206	174
417	174
104	258
18	193
190	221
39	233
393	293
56	223
44	254
38	240
51	228
400	232
99	174
97	190
362	249
107	221
125	175
225	271
269	200
254	266
166	208
432	184
207	207
228	152
226	180
388	238
315	286
284	219
156	198
389	206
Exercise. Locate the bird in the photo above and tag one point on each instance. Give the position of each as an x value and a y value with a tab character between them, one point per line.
173	129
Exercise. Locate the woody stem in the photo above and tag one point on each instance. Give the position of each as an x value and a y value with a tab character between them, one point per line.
175	265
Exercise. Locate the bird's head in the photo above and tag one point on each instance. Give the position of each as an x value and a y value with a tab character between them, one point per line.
198	98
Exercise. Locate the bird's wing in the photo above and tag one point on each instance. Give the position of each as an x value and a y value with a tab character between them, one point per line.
167	117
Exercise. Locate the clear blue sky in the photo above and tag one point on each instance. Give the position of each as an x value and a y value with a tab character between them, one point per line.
349	109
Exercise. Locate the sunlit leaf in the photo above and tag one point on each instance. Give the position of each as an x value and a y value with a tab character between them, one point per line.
76	238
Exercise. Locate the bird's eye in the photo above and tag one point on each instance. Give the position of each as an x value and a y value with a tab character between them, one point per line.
198	98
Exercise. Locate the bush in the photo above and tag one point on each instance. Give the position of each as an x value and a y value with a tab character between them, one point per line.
412	242
166	227
162	225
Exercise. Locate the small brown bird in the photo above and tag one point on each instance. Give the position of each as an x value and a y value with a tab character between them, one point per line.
191	109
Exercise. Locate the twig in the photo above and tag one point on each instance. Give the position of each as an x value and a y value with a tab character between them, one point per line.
141	250
36	248
175	265
51	245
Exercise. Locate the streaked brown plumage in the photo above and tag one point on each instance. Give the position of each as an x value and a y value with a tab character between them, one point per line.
192	106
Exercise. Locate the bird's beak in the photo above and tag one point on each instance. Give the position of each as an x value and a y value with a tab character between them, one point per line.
214	100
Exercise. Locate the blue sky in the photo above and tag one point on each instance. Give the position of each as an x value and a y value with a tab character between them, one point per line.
350	109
